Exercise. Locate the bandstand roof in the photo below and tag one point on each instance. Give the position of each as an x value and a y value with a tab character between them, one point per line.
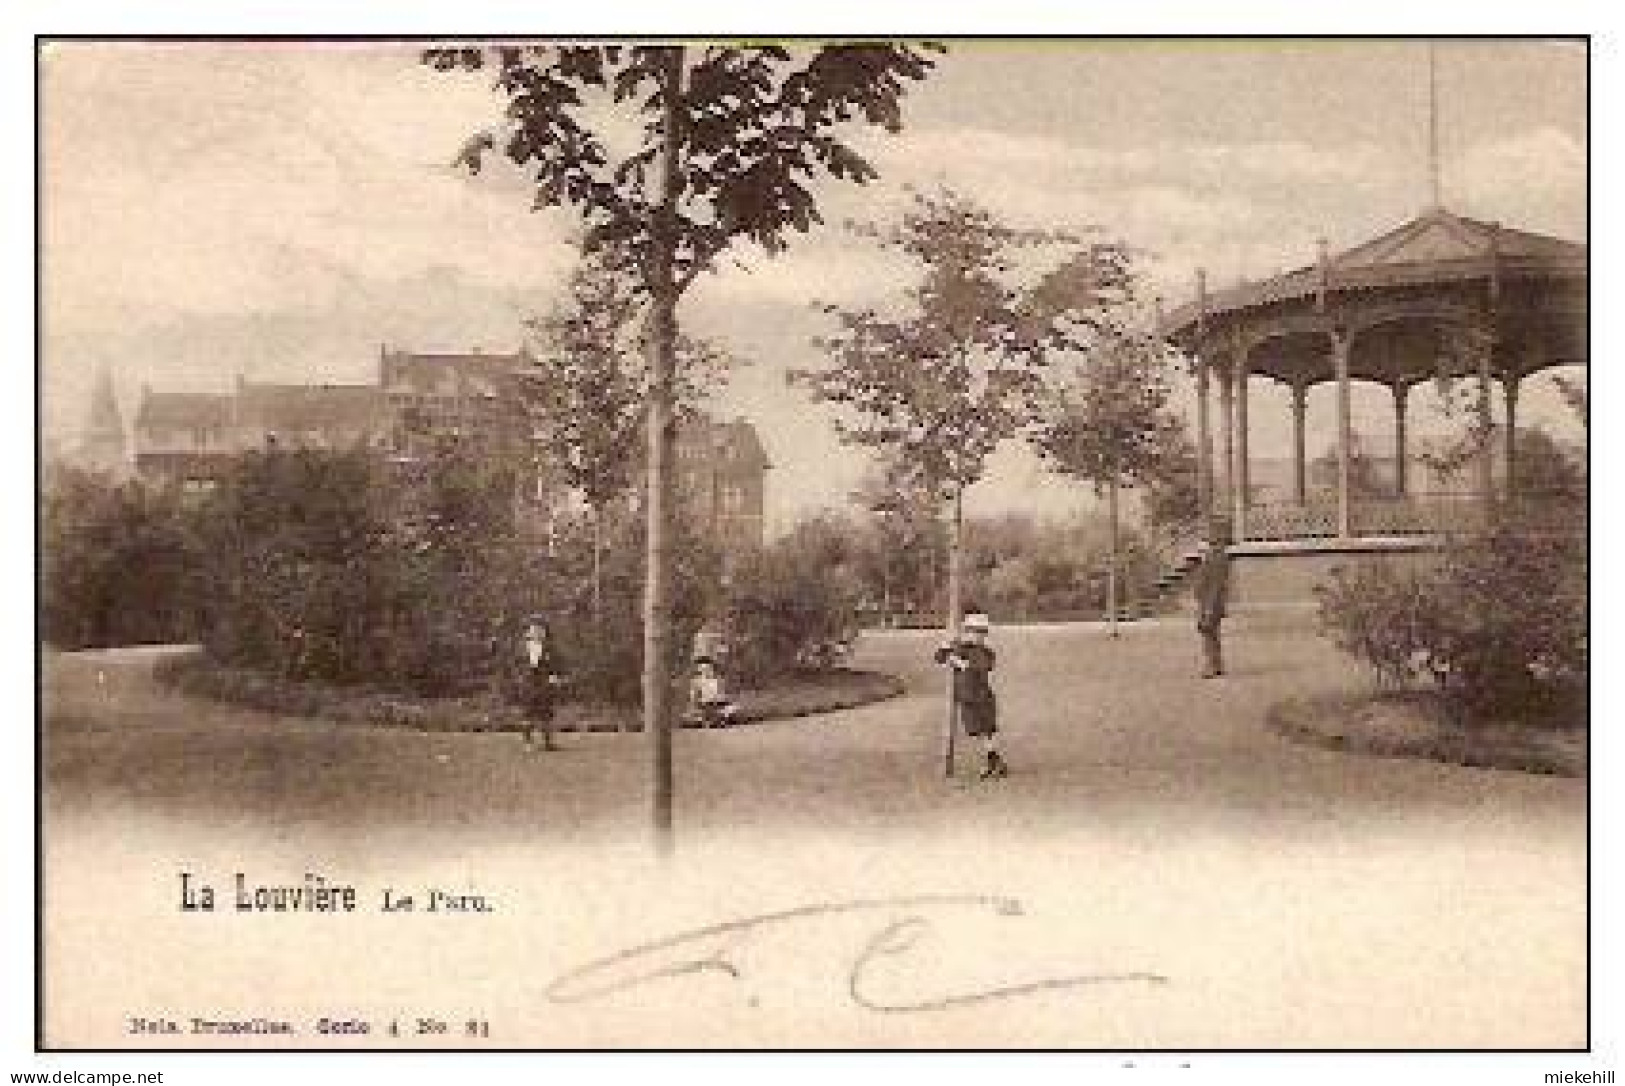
1409	273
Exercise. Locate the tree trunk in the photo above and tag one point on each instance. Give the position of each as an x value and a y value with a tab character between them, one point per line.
885	584
1111	569
597	569
955	617
657	610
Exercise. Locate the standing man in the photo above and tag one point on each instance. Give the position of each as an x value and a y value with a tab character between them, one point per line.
1210	586
972	660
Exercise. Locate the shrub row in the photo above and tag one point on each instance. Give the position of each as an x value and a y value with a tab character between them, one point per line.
334	568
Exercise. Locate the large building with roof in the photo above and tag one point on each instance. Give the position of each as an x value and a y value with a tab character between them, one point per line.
722	468
432	396
191	437
418	401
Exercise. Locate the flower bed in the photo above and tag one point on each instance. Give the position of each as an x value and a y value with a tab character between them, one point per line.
797	695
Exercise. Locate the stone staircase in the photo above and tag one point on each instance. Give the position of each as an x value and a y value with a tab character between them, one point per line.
1167	586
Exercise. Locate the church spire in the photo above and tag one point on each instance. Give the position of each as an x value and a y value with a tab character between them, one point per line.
103	438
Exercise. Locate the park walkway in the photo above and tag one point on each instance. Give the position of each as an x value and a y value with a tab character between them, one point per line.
1099	731
1292	897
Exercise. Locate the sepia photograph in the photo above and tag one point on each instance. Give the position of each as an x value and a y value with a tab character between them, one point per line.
1071	544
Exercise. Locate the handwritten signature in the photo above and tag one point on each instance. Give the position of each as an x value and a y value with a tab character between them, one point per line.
717	950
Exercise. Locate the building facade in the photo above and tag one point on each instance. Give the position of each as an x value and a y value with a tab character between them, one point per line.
418	402
722	470
190	438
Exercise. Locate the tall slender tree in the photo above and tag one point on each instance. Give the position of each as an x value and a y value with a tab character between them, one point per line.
905	514
961	368
585	389
723	147
1110	425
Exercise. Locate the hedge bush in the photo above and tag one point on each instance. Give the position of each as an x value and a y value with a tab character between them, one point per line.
788	609
117	562
335	568
332	567
1497	627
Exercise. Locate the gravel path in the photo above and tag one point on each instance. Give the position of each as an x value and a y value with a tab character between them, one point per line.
1290	896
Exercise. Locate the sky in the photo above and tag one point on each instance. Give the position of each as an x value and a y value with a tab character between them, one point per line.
282	211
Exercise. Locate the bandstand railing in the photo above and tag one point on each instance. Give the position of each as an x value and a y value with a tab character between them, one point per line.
1433	514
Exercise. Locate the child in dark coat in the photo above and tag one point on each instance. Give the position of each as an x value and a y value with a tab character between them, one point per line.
973	660
539	680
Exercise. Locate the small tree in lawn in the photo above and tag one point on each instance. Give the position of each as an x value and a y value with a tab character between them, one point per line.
959	368
587	387
904	511
1173	497
1111	426
1542	470
674	154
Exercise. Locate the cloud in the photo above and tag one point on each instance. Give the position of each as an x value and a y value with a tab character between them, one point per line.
1535	179
238	171
1253	207
283	210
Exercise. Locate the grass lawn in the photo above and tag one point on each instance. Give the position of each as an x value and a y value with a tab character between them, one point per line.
1411	725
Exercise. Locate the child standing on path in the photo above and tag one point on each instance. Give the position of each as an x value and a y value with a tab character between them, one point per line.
539	682
972	660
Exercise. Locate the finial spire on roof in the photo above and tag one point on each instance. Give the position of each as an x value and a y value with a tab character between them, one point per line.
104	413
102	440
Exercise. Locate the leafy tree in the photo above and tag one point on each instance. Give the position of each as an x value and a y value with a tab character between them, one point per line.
1577	395
1173	496
725	142
1544	471
456	590
792	601
1365	477
296	544
1498	627
960	368
1464	349
587	384
1111	426
903	515
1012	585
118	562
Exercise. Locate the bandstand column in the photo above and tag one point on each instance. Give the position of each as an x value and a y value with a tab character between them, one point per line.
1510	384
1486	427
1300	406
1204	428
1401	454
1342	342
1204	446
1227	415
1241	473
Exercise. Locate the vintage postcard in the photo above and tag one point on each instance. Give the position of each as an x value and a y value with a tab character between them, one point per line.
1067	544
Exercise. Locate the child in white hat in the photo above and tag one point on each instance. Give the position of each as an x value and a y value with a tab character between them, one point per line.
972	660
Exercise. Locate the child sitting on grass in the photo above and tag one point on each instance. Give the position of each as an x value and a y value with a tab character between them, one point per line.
712	707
